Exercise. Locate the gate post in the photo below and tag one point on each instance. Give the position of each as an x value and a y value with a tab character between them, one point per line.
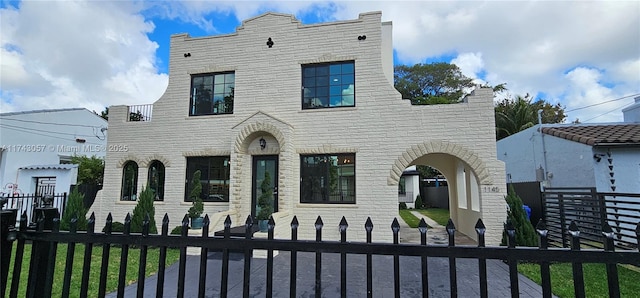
41	256
7	223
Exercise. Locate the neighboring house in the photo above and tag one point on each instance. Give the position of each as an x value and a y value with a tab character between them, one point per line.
409	186
603	155
36	148
315	108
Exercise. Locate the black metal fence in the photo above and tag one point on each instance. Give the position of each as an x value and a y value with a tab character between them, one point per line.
591	210
28	203
45	244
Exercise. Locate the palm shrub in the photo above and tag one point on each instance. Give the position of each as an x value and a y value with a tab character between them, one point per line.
197	206
525	233
75	208
144	207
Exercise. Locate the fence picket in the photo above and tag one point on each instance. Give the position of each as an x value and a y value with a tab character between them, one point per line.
45	245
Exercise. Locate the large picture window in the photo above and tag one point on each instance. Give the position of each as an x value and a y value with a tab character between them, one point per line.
328	85
328	178
155	180
214	176
212	94
129	181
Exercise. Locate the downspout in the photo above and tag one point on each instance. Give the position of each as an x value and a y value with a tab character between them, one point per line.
544	148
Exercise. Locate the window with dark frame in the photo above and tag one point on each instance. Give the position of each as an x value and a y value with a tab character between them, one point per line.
328	178
155	180
214	176
129	181
328	85
212	94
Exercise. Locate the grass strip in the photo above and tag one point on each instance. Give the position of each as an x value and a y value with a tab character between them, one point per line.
96	257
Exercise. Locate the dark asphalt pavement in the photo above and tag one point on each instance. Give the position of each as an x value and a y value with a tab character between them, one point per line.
383	284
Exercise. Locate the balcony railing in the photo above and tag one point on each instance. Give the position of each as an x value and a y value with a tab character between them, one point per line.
140	113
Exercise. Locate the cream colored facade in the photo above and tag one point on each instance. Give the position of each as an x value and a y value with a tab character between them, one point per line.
386	133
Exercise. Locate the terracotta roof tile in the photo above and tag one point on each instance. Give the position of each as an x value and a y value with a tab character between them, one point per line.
597	134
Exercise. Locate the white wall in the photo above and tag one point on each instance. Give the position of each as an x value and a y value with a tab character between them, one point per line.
33	138
568	163
268	103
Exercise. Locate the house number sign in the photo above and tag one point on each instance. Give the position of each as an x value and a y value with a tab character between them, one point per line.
490	189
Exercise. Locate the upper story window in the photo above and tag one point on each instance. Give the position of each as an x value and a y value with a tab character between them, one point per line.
328	85
212	94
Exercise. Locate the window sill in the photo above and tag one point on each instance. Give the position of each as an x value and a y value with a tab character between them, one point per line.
212	116
334	109
332	205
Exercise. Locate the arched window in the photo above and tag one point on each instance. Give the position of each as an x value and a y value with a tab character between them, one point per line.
129	181
155	180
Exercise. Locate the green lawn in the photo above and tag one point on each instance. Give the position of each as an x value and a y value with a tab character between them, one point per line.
409	218
595	279
112	272
441	216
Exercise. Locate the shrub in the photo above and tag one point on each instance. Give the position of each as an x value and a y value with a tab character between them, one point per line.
144	207
197	206
75	208
403	206
265	201
116	226
525	233
418	203
177	230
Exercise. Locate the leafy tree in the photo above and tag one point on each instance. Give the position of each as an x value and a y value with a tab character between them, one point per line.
515	115
104	114
90	169
75	208
525	233
195	194
427	171
434	83
144	207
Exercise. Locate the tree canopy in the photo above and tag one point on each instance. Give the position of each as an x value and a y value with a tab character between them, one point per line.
90	169
434	83
516	114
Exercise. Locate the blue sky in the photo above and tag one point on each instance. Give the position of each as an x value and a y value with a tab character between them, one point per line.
98	53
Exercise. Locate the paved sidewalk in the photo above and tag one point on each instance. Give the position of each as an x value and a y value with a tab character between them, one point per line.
437	234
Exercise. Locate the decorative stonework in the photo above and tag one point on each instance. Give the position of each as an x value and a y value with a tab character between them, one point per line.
327	57
206	152
326	149
145	163
244	137
469	157
211	68
129	157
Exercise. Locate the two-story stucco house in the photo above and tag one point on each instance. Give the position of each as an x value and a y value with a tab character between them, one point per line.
312	110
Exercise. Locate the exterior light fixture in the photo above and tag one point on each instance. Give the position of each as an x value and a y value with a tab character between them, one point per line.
263	144
269	42
187	55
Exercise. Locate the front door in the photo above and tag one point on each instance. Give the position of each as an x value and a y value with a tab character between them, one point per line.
264	194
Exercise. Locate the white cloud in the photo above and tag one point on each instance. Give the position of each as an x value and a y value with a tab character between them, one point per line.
585	89
470	64
575	53
72	54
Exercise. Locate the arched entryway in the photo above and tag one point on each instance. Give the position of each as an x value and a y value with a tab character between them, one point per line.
465	172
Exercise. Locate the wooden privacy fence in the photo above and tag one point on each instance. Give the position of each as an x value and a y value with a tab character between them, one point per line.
45	243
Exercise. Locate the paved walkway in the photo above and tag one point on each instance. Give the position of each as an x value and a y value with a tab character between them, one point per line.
410	274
